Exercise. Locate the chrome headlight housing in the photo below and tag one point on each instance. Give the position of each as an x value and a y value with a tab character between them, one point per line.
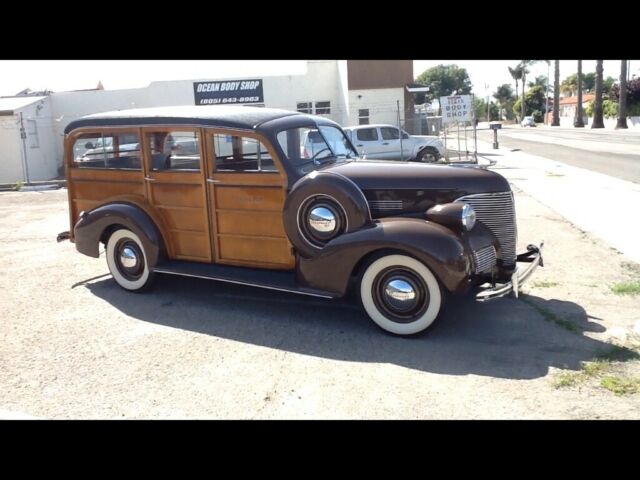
457	215
468	216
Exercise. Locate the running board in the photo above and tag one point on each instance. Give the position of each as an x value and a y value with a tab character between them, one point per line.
254	277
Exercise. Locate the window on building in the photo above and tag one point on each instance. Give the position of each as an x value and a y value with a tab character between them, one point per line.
107	151
323	108
367	134
241	154
363	116
32	134
175	151
305	107
389	133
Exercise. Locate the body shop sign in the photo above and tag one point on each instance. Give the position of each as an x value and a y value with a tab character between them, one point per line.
456	108
228	92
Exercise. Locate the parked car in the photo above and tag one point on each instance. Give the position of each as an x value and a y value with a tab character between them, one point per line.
528	122
256	209
383	142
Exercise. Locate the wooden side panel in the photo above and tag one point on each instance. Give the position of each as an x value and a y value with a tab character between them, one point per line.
245	222
249	198
254	250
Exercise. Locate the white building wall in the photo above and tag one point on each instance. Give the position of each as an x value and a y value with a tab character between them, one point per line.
42	162
382	105
11	169
321	82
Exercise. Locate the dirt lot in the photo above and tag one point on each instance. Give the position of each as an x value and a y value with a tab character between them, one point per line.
74	345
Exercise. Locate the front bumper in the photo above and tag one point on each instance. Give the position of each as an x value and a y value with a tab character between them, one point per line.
533	256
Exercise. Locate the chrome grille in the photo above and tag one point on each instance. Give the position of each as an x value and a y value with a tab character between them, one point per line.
484	259
497	212
385	205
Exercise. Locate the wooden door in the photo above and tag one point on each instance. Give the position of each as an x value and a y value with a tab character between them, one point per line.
247	188
175	179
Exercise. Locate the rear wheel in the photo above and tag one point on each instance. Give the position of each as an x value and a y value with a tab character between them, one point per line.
127	261
400	294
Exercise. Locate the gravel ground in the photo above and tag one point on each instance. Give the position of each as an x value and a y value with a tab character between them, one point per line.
74	345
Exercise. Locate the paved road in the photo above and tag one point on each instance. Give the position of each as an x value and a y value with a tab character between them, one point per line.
612	153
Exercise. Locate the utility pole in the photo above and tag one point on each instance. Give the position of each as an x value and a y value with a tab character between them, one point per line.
400	130
23	136
579	122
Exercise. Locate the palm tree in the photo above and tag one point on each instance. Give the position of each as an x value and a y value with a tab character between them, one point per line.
598	120
556	95
524	64
622	108
578	122
516	74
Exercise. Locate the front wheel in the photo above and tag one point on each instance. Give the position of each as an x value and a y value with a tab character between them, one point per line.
428	155
127	261
400	294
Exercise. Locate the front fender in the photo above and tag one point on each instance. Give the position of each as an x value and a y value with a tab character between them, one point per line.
91	225
445	252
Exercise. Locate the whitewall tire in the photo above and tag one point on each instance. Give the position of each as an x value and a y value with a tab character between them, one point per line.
400	294
127	261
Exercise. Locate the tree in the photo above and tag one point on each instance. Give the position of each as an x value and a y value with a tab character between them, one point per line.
570	84
556	95
622	104
534	103
480	109
443	80
540	80
598	120
633	93
506	98
516	74
607	85
524	64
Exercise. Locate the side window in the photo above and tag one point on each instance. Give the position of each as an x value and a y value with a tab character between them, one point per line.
174	151
234	153
367	134
363	116
112	151
323	108
304	107
389	133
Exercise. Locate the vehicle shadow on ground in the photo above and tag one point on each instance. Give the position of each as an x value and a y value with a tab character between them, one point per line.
506	338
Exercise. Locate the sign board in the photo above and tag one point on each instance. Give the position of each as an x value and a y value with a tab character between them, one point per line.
457	108
228	92
495	126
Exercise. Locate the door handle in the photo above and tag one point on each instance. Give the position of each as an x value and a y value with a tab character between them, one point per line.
211	180
149	179
385	143
359	145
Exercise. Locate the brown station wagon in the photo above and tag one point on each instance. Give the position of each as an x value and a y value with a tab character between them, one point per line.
230	193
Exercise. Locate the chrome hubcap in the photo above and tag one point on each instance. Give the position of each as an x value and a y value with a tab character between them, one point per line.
322	220
400	294
128	257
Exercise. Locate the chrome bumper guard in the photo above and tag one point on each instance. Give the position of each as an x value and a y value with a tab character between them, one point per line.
533	256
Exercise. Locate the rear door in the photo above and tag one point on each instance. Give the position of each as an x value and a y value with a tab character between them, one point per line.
368	141
390	144
175	183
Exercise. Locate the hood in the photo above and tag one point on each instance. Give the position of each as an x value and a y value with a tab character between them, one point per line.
418	186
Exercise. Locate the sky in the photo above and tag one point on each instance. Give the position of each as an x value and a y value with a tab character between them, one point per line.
61	75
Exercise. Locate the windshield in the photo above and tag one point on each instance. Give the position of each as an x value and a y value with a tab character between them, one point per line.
307	147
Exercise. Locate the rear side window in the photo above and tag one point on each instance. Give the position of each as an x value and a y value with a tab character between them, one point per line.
235	153
367	134
107	151
174	151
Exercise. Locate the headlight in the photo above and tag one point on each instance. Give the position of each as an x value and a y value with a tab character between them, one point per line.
468	216
453	215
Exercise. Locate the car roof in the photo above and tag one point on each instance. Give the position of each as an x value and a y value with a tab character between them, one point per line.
235	116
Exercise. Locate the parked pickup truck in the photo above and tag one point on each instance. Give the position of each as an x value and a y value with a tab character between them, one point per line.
383	142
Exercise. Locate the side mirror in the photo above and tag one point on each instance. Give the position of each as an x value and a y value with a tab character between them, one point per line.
89	146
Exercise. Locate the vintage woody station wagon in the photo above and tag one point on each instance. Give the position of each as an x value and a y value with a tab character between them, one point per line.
231	193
